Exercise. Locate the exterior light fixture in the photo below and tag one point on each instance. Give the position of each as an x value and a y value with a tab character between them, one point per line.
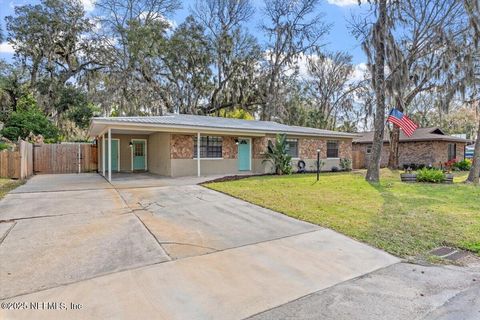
130	144
236	141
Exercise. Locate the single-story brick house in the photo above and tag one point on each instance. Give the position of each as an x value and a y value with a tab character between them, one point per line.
167	145
427	146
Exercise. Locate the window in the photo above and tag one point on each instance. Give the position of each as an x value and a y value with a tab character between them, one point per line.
292	147
452	151
332	149
369	148
138	150
210	147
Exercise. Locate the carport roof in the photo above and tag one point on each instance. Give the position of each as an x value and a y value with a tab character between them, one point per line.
184	121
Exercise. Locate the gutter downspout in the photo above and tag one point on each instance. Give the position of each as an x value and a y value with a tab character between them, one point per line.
198	154
109	155
103	155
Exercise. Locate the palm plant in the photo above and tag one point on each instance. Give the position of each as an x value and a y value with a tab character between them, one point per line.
278	155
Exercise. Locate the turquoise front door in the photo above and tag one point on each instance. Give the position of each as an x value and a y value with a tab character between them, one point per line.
139	153
244	156
114	155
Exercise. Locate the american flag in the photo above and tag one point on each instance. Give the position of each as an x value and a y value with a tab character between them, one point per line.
401	120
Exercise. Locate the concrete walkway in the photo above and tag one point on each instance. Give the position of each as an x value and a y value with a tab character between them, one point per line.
169	249
398	292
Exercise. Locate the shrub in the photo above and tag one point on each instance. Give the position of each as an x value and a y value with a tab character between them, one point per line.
346	164
463	165
278	156
28	118
430	175
3	146
450	165
335	169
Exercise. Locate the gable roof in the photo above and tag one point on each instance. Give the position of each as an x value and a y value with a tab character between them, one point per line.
421	134
213	124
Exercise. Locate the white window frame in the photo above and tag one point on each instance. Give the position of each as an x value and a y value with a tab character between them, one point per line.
208	158
298	147
338	149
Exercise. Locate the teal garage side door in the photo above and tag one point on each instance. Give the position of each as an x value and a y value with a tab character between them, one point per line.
139	155
244	155
114	155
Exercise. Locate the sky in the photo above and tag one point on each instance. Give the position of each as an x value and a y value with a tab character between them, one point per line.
337	13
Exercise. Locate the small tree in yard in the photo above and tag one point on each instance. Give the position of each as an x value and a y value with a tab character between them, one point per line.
28	118
278	156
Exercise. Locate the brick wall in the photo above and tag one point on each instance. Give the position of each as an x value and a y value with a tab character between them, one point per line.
307	148
181	147
362	147
229	148
440	151
260	145
345	149
418	152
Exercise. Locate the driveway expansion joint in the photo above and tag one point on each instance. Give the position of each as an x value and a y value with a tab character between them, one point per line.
133	210
154	237
7	232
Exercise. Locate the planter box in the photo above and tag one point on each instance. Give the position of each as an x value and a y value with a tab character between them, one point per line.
412	178
408	177
448	178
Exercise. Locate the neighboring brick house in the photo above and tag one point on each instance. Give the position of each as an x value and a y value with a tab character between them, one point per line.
167	145
427	146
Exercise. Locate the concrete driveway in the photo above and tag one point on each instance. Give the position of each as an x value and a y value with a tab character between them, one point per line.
152	248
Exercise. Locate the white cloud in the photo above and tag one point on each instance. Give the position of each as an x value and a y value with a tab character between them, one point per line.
172	24
302	65
6	47
343	3
359	72
88	5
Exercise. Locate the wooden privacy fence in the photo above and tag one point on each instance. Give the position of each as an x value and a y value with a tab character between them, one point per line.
358	159
17	164
64	158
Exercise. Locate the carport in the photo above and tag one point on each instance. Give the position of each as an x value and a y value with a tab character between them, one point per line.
170	150
127	150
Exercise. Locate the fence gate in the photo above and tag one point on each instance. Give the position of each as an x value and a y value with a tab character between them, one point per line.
64	158
358	159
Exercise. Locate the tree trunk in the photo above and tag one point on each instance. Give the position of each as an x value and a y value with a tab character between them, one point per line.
373	171
394	143
473	176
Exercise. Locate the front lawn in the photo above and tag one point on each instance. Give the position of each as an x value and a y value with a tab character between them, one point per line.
406	220
6	185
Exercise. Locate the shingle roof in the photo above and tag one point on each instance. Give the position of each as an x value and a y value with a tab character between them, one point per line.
184	120
421	134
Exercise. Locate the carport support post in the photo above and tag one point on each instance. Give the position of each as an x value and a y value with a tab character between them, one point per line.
109	155
103	154
198	154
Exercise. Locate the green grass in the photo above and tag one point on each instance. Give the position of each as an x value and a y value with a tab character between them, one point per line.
407	220
6	185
